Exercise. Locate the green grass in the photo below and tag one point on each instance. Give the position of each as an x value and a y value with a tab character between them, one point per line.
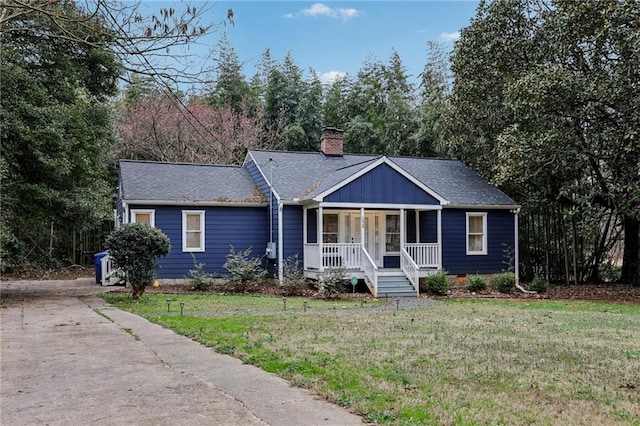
462	362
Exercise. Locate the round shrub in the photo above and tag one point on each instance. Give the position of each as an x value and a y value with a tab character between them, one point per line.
135	248
437	283
505	282
539	284
476	283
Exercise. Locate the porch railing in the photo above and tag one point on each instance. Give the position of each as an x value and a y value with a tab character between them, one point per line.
370	270
107	270
410	269
334	255
425	255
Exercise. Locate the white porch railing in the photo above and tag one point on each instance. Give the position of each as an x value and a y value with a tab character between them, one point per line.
410	269
107	270
370	270
425	255
346	255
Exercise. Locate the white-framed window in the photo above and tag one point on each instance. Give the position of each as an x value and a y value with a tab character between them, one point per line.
192	230
144	216
330	227
476	233
392	233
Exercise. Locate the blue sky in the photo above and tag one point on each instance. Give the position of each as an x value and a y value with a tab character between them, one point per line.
337	36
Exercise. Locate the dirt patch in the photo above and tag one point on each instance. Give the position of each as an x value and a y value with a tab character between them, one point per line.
68	273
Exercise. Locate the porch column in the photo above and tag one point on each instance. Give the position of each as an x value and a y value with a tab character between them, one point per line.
515	243
440	237
304	226
320	238
417	226
402	229
362	226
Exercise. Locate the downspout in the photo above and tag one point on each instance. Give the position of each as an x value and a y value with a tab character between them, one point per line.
280	248
516	256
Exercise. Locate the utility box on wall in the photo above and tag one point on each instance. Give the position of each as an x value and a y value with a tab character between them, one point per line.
271	250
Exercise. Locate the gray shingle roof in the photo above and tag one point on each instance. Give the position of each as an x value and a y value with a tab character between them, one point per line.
181	182
304	175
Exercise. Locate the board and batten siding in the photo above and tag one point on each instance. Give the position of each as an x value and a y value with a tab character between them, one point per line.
500	238
429	227
381	185
240	227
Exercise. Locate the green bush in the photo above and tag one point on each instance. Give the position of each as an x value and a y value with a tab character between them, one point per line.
201	280
437	283
539	284
293	280
243	269
505	282
333	282
135	249
476	283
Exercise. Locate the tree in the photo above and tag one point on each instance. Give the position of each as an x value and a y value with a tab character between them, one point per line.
545	103
141	42
135	249
334	107
230	88
56	130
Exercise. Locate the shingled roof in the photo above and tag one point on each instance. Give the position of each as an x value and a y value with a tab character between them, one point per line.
188	183
304	175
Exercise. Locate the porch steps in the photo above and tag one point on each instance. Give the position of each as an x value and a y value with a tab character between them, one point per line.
396	285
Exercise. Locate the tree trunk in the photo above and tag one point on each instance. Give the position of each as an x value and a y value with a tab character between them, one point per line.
630	269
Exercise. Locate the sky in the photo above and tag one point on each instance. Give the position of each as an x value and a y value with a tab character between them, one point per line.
336	37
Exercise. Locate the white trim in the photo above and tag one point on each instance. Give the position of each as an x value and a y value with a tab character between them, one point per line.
185	203
268	182
305	223
439	237
125	209
515	243
379	206
483	215
184	231
373	165
482	206
150	212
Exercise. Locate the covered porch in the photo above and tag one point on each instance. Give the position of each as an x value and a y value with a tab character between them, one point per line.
373	242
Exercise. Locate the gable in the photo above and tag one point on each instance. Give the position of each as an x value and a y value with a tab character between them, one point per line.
383	185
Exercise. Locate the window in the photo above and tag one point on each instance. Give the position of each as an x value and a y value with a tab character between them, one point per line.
476	233
330	225
144	216
192	230
392	234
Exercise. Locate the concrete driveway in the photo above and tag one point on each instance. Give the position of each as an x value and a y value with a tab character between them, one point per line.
69	358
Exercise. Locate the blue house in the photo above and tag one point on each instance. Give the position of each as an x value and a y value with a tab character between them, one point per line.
387	220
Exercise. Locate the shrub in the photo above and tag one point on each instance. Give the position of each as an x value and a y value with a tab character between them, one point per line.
293	280
437	283
243	268
201	280
333	282
476	283
135	248
505	282
539	284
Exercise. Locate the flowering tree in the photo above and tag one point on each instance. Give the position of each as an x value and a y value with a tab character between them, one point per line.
161	128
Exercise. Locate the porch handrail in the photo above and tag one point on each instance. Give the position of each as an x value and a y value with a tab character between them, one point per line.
370	270
425	255
410	269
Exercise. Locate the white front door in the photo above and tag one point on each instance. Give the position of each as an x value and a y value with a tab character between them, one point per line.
372	234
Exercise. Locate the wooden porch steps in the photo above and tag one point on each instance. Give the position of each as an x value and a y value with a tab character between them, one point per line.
396	285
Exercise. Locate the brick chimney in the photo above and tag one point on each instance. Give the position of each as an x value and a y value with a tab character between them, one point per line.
331	142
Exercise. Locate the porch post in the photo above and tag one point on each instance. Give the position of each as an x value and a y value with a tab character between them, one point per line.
304	226
280	240
440	238
362	226
319	230
515	243
402	229
417	226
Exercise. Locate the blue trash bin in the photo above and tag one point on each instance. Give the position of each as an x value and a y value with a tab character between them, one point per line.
96	261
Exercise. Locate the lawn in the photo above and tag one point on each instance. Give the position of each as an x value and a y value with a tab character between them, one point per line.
463	361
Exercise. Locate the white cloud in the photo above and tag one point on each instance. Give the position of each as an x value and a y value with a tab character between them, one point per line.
450	36
321	9
331	76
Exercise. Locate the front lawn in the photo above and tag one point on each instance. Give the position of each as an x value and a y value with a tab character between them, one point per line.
459	362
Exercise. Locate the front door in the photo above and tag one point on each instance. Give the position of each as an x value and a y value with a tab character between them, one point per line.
372	234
